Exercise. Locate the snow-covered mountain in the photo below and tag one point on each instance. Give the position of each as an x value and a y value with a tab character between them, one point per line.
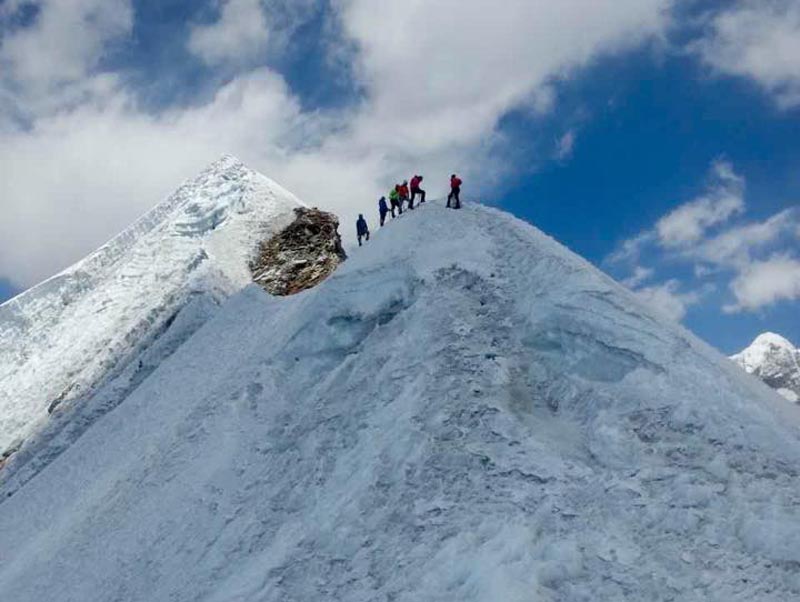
464	411
774	360
63	338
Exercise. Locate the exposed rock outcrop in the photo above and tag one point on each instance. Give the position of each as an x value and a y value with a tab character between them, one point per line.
9	451
301	255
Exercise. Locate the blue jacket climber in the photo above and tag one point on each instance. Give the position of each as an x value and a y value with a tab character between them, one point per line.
362	230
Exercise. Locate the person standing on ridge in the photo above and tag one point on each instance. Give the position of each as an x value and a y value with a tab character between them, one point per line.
402	190
455	191
394	199
416	190
361	228
383	209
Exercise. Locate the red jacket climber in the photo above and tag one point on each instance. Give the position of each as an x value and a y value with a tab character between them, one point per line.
402	189
455	191
416	190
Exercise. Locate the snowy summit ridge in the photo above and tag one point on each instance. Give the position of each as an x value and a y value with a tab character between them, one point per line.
485	418
773	359
64	337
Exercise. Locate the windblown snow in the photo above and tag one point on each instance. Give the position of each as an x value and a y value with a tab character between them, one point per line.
773	359
63	338
464	411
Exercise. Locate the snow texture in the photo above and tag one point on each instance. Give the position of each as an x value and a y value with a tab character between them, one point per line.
464	411
774	360
62	339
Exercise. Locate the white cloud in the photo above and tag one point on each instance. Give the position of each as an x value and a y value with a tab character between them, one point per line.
94	153
565	146
640	275
766	282
667	299
61	49
446	71
629	250
735	255
735	247
240	34
759	40
688	223
10	7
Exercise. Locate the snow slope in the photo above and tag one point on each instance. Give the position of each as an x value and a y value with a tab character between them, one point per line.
774	360
464	411
63	338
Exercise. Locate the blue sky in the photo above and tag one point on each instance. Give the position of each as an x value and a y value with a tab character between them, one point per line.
658	139
655	128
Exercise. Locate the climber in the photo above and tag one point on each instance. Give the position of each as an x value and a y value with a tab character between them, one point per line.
402	190
383	209
394	199
361	228
416	190
455	190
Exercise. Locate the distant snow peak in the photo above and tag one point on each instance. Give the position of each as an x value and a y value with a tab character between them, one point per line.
776	361
770	339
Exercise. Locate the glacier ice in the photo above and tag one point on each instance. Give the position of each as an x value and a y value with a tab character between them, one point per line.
63	338
464	411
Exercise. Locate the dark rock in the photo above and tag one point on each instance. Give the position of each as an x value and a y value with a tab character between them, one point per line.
10	451
301	256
